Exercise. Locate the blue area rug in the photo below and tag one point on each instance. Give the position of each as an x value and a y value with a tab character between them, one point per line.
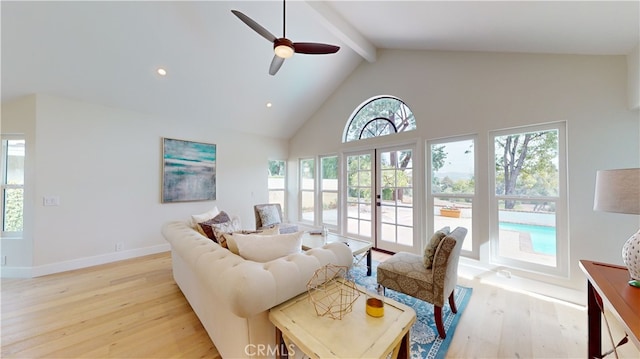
425	342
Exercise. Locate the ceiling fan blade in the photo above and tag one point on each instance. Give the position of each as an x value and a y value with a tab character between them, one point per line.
276	63
314	48
255	26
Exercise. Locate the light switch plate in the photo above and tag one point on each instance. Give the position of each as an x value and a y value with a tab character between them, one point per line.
51	200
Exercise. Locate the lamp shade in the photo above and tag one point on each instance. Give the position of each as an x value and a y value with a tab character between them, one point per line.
618	191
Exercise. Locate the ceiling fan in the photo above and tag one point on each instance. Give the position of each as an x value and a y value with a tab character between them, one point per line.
283	47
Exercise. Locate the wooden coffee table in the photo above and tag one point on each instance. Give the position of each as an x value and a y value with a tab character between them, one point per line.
360	249
356	335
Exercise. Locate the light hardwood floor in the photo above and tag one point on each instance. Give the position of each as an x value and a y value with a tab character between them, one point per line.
134	309
128	309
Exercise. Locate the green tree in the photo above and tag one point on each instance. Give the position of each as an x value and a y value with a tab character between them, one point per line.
276	168
330	167
438	156
13	210
359	178
525	164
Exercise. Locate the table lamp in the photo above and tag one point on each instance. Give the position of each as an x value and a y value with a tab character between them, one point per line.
619	191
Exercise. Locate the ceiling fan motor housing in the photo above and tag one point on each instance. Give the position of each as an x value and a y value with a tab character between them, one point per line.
283	47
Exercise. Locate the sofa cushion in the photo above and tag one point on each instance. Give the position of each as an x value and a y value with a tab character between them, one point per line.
264	248
430	248
221	220
269	215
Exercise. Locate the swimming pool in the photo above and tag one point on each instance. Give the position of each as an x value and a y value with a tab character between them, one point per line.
543	238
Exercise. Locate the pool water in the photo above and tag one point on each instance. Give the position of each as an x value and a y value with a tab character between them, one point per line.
543	238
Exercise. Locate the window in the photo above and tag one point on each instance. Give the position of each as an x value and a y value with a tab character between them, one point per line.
453	186
379	116
13	150
307	190
529	228
276	183
329	190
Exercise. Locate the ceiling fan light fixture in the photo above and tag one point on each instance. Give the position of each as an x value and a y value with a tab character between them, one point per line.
283	48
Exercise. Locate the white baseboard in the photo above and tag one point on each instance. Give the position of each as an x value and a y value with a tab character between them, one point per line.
38	271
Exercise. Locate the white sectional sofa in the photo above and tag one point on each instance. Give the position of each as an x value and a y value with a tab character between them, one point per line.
232	296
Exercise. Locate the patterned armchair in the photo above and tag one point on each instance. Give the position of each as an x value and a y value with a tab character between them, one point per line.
270	214
406	273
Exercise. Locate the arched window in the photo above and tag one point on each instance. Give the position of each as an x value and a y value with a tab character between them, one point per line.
379	116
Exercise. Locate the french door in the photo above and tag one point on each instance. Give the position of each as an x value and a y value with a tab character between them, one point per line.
379	201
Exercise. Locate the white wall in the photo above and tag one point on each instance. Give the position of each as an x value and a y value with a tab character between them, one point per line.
633	70
456	93
105	165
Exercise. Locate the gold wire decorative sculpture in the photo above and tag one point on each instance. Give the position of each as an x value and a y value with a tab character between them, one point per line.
331	293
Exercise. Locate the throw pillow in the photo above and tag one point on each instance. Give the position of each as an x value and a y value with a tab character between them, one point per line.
222	238
430	248
265	248
267	231
227	240
221	222
269	215
287	228
198	218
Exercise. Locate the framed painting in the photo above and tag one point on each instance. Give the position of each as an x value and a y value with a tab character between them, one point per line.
188	171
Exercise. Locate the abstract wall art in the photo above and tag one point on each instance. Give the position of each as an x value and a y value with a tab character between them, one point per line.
188	171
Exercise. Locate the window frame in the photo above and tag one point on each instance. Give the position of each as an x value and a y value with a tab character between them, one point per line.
5	138
561	269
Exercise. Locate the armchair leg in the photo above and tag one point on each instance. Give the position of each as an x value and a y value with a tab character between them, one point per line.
437	312
452	304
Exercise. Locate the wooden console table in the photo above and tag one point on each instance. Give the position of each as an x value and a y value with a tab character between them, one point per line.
609	282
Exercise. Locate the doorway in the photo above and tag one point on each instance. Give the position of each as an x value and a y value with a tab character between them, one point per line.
380	193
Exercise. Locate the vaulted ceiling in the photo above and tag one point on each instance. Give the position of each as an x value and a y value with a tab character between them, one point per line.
217	67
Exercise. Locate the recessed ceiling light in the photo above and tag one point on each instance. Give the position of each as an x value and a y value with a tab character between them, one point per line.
162	72
269	104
